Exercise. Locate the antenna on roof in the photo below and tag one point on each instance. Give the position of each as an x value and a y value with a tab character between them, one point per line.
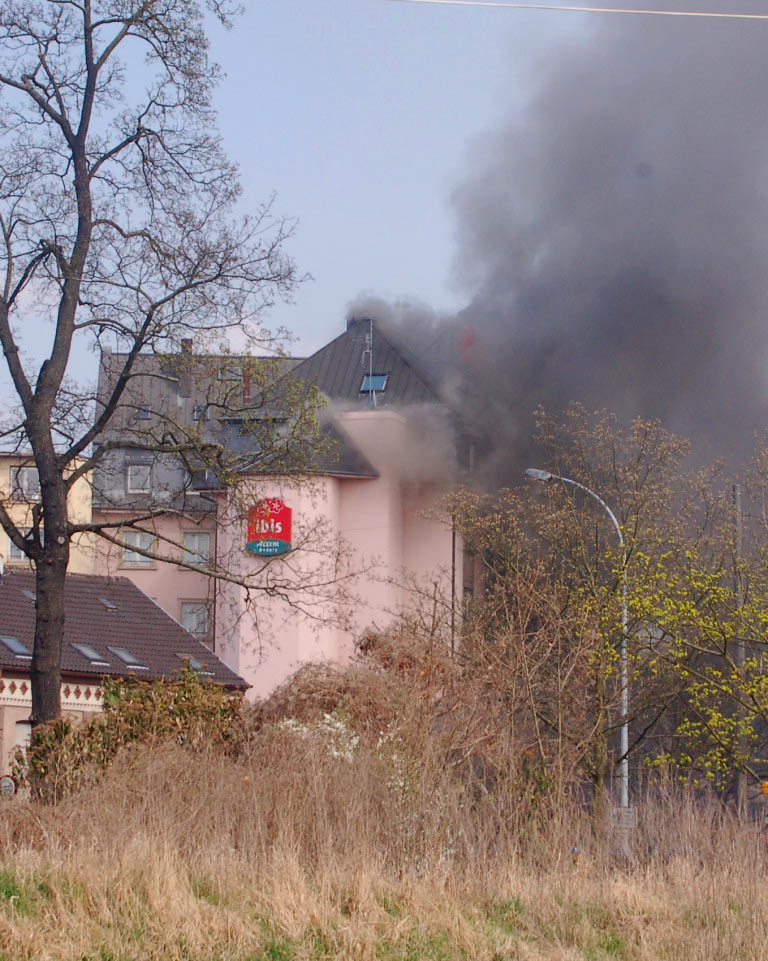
368	354
370	361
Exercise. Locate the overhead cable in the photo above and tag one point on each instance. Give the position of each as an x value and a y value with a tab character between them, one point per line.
710	15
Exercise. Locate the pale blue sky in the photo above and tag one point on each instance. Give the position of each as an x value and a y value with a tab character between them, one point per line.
360	115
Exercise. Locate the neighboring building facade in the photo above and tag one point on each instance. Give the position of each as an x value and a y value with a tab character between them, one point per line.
365	506
111	628
20	491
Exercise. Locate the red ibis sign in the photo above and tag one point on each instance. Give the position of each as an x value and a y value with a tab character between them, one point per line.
269	528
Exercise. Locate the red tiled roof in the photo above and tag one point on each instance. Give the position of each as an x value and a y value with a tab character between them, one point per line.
135	623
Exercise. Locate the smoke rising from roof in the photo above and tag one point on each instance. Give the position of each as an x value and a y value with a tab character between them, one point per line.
613	237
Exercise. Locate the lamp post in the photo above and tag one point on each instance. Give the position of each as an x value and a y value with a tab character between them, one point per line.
545	475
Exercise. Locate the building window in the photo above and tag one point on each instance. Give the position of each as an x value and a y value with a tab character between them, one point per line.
374	383
201	412
15	554
139	478
197	548
194	617
26	484
230	371
143	412
136	541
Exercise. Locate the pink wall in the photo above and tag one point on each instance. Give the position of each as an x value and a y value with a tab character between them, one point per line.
387	537
260	634
356	542
167	584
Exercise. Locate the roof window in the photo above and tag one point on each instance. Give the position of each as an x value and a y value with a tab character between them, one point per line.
374	383
110	605
91	654
196	665
30	594
127	658
15	646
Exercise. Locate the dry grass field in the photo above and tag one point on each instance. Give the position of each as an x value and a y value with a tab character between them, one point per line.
306	852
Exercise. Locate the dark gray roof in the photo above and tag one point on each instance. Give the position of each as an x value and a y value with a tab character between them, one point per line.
337	369
172	386
336	455
135	623
340	456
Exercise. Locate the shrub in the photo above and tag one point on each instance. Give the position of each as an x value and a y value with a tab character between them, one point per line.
64	756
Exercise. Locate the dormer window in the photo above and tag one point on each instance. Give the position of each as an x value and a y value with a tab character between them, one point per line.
139	478
374	383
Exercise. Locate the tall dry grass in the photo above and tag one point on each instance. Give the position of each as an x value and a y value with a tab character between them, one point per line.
299	854
388	812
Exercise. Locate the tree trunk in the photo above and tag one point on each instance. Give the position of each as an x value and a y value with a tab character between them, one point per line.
49	633
51	569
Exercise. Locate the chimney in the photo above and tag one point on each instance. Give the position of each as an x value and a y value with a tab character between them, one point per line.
185	368
353	322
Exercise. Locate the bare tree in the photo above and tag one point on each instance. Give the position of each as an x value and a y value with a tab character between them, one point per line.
117	212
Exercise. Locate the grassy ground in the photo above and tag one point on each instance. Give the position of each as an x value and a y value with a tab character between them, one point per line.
303	855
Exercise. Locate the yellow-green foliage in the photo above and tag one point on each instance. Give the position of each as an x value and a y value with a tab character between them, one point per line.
711	638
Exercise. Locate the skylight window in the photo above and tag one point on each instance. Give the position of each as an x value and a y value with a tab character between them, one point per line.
127	658
194	664
30	594
110	605
91	654
374	383
15	646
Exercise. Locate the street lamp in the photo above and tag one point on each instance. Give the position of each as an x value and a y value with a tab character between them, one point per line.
545	475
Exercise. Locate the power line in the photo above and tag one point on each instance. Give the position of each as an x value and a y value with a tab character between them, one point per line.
581	9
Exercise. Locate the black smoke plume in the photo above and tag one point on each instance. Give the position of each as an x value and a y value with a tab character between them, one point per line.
613	239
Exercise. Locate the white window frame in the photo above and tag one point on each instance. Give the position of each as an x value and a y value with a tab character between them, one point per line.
21	484
184	607
14	554
192	553
142	539
143	412
129	485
